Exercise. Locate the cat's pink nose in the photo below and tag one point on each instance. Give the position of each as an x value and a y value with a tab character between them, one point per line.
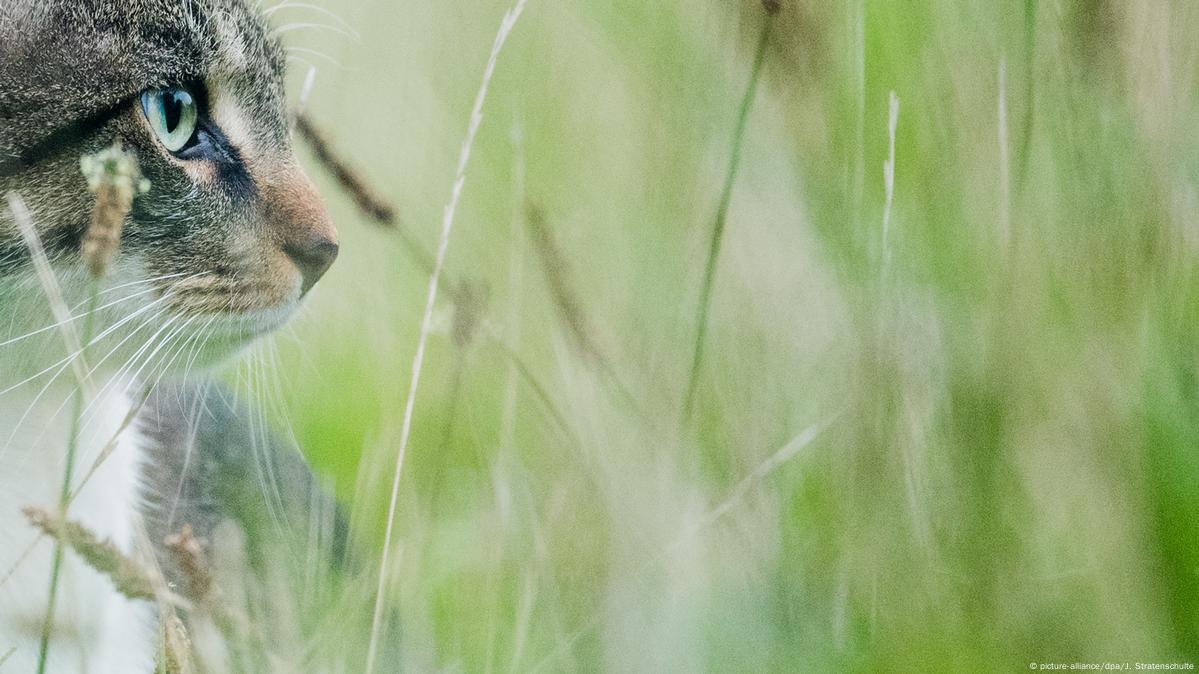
300	226
313	255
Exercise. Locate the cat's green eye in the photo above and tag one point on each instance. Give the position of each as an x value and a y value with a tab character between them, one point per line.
173	114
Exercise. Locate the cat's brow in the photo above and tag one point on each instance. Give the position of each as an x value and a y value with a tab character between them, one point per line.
58	141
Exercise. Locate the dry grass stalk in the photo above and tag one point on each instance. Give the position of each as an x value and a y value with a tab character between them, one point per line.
470	308
889	175
51	287
350	179
365	197
557	275
114	177
136	581
128	576
176	647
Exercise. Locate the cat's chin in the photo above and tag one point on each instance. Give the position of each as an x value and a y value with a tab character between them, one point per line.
227	336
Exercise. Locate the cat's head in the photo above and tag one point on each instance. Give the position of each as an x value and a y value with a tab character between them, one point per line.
231	234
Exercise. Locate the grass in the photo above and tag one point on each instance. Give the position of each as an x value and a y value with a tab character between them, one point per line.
770	10
1007	469
114	178
447	227
62	315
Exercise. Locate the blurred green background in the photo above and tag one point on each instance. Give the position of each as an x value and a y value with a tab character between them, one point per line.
1001	392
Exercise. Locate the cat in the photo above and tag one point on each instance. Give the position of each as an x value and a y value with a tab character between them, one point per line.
221	249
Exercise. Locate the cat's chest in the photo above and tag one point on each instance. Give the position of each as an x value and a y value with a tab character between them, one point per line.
97	630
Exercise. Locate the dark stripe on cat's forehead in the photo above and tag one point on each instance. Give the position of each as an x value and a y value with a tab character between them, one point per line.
63	140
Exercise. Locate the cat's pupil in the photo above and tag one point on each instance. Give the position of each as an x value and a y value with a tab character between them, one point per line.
172	110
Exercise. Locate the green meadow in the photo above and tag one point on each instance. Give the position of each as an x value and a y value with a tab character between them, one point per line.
946	415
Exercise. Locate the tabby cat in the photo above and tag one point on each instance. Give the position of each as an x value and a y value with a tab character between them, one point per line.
222	248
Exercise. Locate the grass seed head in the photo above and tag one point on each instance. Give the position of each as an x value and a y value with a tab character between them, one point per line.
114	177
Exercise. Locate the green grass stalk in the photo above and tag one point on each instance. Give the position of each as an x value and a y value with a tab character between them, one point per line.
114	177
722	212
64	495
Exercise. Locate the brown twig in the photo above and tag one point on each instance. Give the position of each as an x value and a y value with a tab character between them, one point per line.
570	307
557	273
346	175
364	196
351	180
189	554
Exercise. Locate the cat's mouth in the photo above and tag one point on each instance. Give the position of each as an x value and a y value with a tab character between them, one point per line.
221	315
262	299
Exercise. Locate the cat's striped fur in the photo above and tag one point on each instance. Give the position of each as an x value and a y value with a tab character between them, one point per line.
220	250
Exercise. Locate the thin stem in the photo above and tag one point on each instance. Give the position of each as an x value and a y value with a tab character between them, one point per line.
726	197
1030	57
447	226
64	495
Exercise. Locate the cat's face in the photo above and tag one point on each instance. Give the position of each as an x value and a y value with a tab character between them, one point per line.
231	234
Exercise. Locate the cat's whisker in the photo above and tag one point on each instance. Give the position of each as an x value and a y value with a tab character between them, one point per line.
77	317
181	348
169	343
154	279
104	451
20	561
70	358
33	405
193	346
179	330
198	348
29	408
262	452
270	11
108	291
313	52
91	410
292	27
292	58
278	388
305	93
